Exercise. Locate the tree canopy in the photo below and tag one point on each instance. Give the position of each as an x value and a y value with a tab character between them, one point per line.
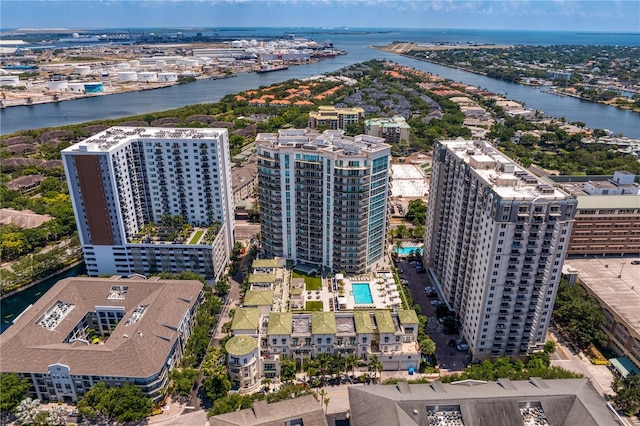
126	403
579	315
13	389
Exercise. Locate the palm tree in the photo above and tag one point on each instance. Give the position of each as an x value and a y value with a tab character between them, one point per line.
324	360
28	410
375	365
322	393
427	346
326	404
266	382
352	362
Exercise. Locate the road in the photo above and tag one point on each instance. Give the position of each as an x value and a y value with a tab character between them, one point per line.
450	359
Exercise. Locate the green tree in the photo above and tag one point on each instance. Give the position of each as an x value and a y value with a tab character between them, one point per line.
375	365
13	389
627	398
549	347
287	369
417	212
183	380
126	403
427	346
579	315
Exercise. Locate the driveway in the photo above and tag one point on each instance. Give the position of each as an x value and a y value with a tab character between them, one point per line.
450	359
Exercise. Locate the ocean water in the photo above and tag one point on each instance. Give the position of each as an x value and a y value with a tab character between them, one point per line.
386	35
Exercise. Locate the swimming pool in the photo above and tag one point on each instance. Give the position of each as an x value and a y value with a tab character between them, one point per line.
362	293
406	251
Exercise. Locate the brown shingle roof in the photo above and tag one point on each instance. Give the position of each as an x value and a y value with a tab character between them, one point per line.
135	350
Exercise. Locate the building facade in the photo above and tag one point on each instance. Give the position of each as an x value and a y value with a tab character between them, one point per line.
615	284
323	198
260	340
333	118
124	179
113	330
608	215
496	239
392	130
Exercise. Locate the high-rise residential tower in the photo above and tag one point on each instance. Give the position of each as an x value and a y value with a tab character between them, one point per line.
153	199
323	198
496	239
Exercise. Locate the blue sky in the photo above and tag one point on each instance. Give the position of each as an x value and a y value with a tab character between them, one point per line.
571	15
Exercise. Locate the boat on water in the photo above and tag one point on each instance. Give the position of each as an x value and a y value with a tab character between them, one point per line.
270	68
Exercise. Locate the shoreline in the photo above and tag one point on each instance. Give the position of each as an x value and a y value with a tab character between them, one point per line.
552	92
40	280
64	97
29	99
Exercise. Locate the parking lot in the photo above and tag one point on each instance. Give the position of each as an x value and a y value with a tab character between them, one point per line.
449	358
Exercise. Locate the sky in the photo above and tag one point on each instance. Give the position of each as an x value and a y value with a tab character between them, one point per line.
547	15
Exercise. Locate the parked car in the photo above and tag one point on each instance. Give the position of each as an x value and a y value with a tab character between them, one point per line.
462	346
435	302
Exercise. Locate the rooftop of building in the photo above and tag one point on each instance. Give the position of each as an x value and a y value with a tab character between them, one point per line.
407	316
395	121
280	323
258	297
265	263
137	347
246	319
323	323
262	278
240	345
363	322
114	137
471	403
508	179
304	408
384	322
615	281
329	141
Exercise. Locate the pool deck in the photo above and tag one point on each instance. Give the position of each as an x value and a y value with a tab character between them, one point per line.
384	292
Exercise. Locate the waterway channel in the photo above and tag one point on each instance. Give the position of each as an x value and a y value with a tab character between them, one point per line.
594	115
15	304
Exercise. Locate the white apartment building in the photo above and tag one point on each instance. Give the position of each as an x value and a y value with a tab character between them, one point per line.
123	179
392	130
323	198
496	239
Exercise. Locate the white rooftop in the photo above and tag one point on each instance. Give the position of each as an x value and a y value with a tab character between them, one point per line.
115	137
508	179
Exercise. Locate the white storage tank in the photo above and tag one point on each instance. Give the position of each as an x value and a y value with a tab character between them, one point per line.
147	76
82	69
124	66
128	76
58	85
167	76
9	80
76	86
236	43
192	63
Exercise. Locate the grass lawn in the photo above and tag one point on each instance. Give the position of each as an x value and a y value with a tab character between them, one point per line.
196	237
310	283
314	305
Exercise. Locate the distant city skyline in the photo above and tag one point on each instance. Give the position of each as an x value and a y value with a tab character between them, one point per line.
557	15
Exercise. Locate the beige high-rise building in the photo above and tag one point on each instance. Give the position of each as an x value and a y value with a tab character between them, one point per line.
496	239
